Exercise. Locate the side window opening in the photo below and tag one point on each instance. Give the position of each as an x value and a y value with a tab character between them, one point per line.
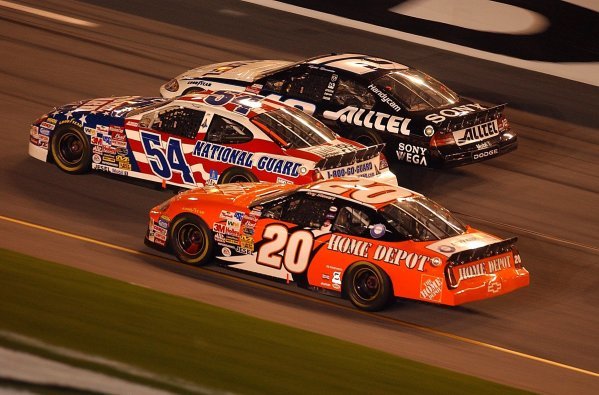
275	211
352	93
300	83
306	211
276	83
353	221
226	131
309	85
183	122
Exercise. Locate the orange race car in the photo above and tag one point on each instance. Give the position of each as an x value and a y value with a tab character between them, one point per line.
367	241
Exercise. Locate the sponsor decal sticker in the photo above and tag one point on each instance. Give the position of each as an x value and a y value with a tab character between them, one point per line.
109	150
485	154
454	112
224	214
476	133
483	268
371	120
226	251
282	180
431	287
163	222
238	157
349	245
360	169
377	231
446	248
412	154
397	256
384	97
48	125
118	136
244	251
115	129
494	287
336	281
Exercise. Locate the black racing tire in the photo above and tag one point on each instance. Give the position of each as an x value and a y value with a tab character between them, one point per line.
368	287
71	150
191	241
367	137
235	174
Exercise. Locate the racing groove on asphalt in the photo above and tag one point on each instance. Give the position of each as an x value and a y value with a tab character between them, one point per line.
549	186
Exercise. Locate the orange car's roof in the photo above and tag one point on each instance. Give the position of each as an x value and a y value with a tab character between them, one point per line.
361	190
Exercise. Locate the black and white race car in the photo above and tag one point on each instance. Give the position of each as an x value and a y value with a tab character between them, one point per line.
372	101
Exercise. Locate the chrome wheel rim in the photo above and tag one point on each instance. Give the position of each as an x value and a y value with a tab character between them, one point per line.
190	239
366	284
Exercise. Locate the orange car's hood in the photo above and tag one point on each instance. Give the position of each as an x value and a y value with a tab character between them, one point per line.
239	194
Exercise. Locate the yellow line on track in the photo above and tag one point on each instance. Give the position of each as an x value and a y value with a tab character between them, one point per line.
282	291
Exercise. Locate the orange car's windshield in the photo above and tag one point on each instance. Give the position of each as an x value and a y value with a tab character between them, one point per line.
422	219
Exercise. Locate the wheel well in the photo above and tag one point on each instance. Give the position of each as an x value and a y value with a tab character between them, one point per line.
50	158
191	90
186	214
231	169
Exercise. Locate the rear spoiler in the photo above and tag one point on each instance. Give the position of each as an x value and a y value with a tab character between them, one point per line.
472	118
476	254
349	158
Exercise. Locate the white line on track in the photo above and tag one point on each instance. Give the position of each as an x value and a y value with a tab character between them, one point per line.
587	73
47	14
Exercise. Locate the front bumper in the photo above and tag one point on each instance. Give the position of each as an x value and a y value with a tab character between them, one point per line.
38	152
487	286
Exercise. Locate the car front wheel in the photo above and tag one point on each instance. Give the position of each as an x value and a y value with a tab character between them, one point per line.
71	150
191	240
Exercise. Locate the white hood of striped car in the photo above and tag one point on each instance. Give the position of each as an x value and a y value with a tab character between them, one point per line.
245	70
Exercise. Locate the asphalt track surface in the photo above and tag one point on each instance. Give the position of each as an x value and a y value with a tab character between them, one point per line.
544	338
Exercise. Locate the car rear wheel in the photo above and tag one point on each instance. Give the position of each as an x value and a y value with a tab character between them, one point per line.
368	287
367	137
191	240
71	150
236	175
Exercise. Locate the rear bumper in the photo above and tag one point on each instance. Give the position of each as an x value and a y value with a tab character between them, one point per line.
464	157
487	286
387	177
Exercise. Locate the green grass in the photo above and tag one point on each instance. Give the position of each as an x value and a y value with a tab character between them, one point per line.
198	343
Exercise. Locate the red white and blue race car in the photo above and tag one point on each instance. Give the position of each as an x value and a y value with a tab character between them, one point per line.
370	100
200	139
